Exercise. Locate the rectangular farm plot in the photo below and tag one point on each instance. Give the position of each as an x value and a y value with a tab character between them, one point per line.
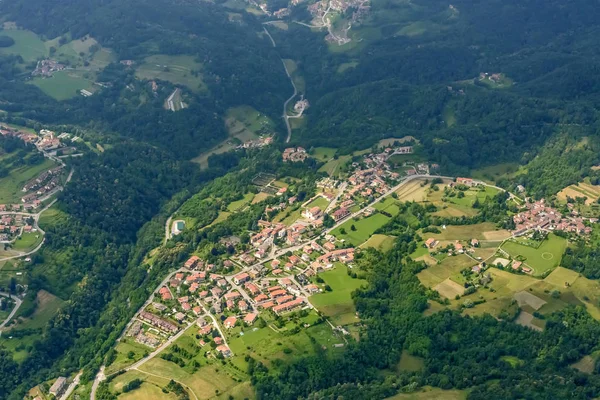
546	257
449	289
449	268
363	229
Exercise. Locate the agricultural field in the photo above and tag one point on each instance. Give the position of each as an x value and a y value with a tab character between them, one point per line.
582	189
485	231
431	393
332	167
179	70
447	269
380	242
11	186
243	124
123	349
320	202
364	228
27	241
27	44
541	259
237	205
389	205
338	304
298	79
323	154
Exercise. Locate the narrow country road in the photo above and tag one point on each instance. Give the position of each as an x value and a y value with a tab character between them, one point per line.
71	387
285	115
14	311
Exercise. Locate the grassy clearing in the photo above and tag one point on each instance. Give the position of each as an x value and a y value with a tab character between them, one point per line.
236	205
410	363
64	85
298	79
466	232
323	154
243	123
11	185
27	44
449	268
346	66
493	172
28	241
47	305
380	242
389	205
338	304
542	259
431	393
179	70
123	348
364	228
52	217
332	166
320	202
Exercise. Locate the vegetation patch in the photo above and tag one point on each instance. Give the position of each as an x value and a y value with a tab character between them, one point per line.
539	258
363	229
179	70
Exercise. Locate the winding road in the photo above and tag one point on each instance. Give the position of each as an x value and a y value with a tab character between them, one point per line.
13	312
285	115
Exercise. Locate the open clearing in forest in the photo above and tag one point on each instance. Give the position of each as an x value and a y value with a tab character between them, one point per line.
179	70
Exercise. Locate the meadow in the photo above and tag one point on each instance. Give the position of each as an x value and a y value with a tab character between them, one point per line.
123	348
380	242
238	204
28	241
175	69
338	304
27	44
364	229
320	202
541	259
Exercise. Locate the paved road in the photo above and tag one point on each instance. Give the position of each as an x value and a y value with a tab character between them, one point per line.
71	387
285	115
99	378
14	311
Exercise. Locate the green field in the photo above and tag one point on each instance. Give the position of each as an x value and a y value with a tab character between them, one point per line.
243	123
64	85
389	205
482	231
332	166
236	205
431	393
175	69
122	349
51	217
542	259
323	154
338	304
365	227
27	241
320	202
27	44
11	186
380	242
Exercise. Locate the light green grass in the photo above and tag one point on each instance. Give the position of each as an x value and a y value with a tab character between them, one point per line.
364	229
338	304
332	167
323	153
52	217
542	259
380	242
27	44
410	363
389	205
63	85
236	205
175	69
27	241
47	306
320	202
346	66
122	360
431	393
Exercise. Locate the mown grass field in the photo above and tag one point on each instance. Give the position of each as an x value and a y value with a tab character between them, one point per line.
332	166
380	242
431	393
27	44
175	69
122	349
542	259
236	205
28	241
323	154
320	202
11	186
338	304
365	227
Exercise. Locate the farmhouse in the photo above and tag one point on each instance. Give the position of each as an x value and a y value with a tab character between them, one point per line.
431	243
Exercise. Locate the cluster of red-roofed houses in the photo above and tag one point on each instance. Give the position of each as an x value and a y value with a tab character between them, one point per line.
12	226
540	216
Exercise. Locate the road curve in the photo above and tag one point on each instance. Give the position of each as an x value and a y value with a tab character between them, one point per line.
14	311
